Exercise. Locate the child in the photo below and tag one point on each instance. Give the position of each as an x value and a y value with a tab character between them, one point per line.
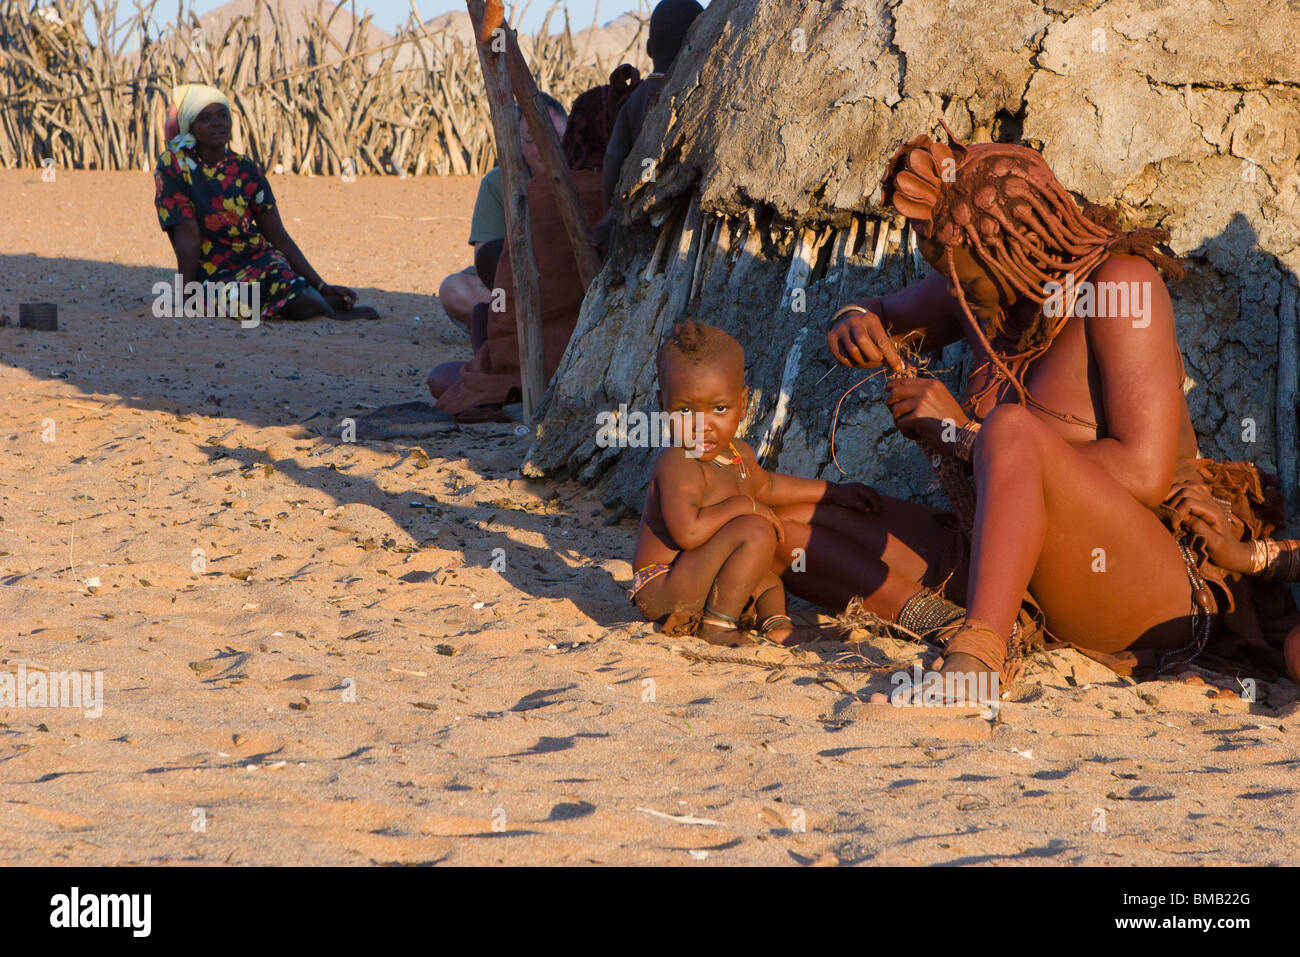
1276	559
708	534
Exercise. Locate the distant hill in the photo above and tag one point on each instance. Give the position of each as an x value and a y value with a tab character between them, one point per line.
608	44
453	25
612	39
297	13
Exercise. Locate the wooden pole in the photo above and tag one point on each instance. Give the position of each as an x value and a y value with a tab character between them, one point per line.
514	180
535	112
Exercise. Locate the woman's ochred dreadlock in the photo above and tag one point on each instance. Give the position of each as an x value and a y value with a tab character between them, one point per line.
1004	204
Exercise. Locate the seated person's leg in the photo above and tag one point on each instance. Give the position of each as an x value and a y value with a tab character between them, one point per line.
460	292
717	579
775	624
307	304
769	604
882	558
443	377
478	326
486	258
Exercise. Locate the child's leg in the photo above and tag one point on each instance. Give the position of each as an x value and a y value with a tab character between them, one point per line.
769	602
770	606
718	578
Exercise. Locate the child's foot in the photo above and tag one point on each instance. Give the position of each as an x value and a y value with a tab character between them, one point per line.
719	629
778	629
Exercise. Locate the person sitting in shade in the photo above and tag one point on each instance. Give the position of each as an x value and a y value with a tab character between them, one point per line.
462	291
218	210
479	389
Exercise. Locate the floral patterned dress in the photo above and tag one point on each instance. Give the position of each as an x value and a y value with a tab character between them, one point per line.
223	200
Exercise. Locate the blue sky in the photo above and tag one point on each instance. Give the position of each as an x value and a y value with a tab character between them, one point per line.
390	13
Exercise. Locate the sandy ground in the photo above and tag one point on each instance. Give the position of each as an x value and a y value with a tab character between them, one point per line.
302	665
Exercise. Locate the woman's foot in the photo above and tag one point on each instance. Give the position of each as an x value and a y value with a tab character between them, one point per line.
963	664
973	663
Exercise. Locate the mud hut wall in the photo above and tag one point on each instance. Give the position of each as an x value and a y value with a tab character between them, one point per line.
1185	116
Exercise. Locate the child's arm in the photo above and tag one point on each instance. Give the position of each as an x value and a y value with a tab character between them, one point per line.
776	488
681	491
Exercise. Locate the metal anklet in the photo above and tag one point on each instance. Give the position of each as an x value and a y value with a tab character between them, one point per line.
928	611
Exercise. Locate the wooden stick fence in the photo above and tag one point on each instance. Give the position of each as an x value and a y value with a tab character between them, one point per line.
84	88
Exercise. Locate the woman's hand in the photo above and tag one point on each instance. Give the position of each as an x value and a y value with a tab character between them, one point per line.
859	339
1204	515
341	293
921	406
853	495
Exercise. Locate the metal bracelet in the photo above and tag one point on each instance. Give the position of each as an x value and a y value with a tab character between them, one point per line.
1258	557
964	447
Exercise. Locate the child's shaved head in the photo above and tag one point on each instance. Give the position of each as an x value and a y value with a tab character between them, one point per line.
697	344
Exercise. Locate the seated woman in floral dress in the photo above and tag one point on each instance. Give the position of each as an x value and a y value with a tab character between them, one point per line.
218	210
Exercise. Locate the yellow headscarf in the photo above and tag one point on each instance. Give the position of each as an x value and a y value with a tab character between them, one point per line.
188	101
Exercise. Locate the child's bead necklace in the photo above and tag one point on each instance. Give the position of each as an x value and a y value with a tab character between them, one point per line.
735	460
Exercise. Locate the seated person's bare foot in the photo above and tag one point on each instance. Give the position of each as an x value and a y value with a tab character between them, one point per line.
958	663
343	303
719	629
959	681
964	676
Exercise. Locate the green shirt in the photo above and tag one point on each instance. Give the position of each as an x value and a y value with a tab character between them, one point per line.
489	222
